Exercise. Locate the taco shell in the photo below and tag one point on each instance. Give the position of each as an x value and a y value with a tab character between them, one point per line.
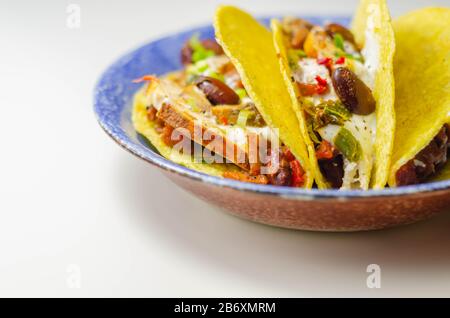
250	47
384	90
422	73
377	11
280	46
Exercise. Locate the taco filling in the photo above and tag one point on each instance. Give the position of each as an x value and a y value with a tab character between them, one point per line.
427	162
334	78
207	95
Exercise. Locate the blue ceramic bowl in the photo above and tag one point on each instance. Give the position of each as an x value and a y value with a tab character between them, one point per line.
322	210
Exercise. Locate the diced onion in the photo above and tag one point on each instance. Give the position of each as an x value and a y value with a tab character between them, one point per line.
243	117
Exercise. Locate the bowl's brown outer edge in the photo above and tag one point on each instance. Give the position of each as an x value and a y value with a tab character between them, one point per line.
320	214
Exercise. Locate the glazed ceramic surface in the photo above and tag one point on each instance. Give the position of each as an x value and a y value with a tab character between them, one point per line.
320	210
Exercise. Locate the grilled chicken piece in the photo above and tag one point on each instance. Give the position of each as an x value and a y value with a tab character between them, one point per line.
187	125
172	104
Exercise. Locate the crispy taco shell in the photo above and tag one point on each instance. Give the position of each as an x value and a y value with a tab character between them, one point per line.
383	91
280	46
250	47
422	74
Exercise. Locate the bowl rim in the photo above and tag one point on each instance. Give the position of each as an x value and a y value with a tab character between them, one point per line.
150	156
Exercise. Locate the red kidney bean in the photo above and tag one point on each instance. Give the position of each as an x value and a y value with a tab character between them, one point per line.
333	170
281	178
209	44
353	93
217	92
212	45
334	28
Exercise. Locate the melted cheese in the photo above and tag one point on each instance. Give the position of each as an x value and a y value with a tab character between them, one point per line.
161	92
216	62
307	72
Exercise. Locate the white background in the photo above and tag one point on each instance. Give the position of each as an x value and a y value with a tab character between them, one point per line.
69	195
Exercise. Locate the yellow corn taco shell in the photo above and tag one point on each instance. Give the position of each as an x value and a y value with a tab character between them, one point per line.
280	46
147	129
422	74
250	47
377	11
384	90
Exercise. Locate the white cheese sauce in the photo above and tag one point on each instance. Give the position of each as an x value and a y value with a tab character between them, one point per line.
363	129
307	72
215	63
162	93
